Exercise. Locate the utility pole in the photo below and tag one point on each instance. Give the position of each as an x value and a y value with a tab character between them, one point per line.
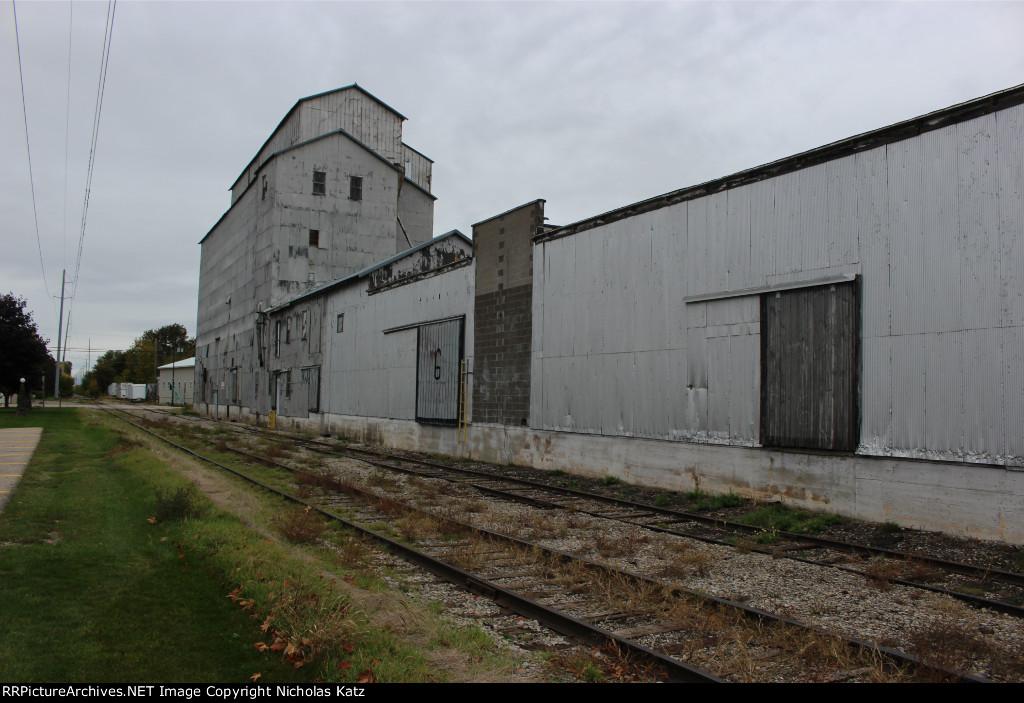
60	327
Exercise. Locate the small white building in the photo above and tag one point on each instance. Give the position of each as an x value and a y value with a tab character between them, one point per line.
177	381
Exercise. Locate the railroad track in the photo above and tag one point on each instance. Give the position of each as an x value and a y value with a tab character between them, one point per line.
647	618
980	586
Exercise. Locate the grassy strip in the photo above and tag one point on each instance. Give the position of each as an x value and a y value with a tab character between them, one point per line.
95	590
775	518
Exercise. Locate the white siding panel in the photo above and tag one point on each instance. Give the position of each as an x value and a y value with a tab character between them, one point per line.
745	391
557	313
908	391
979	223
762	231
1010	158
737	256
938	296
697	247
625	378
642	285
719	241
786	225
983	392
1013	395
876	394
646	396
719	382
809	243
943	395
872	223
844	196
696	346
907	245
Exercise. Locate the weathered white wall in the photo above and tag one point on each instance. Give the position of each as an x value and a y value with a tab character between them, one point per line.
369	373
932	224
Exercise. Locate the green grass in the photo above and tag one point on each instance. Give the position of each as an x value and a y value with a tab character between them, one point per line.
611	480
703	501
774	518
96	589
92	590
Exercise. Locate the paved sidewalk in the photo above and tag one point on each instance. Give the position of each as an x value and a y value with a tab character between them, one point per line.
16	448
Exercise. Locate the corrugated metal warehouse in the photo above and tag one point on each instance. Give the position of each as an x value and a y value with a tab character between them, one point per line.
842	329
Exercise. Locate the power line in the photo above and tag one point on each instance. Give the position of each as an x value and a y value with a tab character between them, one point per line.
108	36
28	149
67	127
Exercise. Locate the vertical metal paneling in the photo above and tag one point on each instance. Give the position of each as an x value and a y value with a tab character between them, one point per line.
696	247
1010	158
936	297
906	237
737	256
943	395
439	351
719	377
844	198
983	392
762	231
978	200
1012	342
872	225
789	243
718	241
876	392
808	242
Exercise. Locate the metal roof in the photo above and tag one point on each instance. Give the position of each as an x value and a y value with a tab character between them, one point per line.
179	364
868	140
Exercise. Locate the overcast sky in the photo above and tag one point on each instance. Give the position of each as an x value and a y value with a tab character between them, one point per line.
590	105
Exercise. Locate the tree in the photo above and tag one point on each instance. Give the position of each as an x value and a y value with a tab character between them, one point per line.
23	352
137	364
107	369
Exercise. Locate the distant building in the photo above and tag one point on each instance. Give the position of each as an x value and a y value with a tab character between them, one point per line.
181	376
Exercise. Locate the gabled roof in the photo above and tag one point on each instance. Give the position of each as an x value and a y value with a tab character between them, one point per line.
354	86
298	145
180	363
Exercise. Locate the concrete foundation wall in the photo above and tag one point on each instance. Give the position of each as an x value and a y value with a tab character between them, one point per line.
971	500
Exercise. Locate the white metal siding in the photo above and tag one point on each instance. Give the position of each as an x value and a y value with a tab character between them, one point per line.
932	224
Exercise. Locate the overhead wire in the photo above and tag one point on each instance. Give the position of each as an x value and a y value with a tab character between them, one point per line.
28	148
67	128
97	112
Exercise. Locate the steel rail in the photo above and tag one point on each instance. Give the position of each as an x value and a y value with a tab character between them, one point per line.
556	620
540	612
810	541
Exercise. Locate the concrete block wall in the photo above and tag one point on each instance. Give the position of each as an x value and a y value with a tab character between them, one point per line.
503	314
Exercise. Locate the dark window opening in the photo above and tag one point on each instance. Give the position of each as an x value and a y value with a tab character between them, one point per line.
355	188
341	322
319	182
314	237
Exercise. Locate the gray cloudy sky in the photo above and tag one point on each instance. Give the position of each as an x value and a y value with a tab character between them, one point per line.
590	105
